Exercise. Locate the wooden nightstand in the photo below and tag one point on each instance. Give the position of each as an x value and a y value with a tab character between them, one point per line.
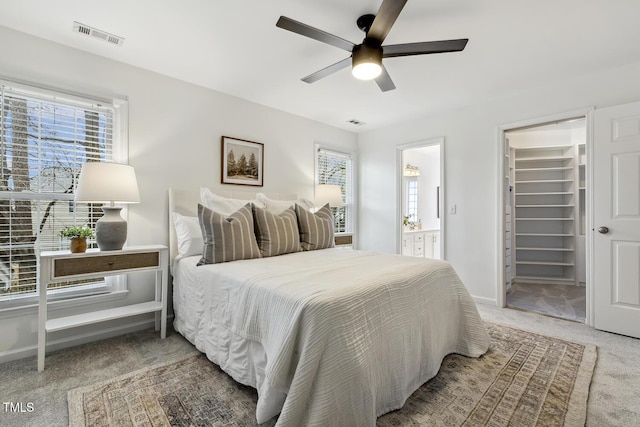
61	266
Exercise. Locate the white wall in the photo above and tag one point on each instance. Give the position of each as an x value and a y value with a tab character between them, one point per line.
174	141
471	150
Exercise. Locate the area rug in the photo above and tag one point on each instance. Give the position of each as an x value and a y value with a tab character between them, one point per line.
525	379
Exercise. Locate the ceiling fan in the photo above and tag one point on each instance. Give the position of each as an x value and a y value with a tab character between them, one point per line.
366	57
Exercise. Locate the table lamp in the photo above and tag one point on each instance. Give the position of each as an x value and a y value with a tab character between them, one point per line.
108	183
328	193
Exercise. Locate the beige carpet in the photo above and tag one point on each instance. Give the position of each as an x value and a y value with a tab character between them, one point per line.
525	379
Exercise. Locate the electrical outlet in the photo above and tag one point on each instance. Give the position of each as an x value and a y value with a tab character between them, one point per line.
452	209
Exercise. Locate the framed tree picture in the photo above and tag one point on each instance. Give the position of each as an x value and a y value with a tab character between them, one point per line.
242	162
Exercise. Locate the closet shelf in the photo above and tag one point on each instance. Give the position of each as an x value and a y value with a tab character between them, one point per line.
545	249
554	278
545	206
544	219
545	159
546	193
546	178
545	147
562	264
546	234
549	169
544	181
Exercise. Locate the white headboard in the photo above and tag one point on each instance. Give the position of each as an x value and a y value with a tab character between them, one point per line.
185	202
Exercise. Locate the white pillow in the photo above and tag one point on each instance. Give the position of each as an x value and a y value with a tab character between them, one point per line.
279	206
190	241
224	205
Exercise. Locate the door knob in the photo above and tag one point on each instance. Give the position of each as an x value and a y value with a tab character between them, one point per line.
603	230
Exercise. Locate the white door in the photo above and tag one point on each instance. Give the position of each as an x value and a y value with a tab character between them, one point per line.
616	219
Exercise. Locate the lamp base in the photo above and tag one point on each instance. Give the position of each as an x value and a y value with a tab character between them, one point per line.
111	229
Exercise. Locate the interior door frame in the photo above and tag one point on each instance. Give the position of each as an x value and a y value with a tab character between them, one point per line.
587	113
400	148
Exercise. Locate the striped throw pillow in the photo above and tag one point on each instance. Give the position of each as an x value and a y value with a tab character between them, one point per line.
227	238
277	234
316	229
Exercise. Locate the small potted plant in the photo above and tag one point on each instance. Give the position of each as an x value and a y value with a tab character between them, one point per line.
408	225
78	236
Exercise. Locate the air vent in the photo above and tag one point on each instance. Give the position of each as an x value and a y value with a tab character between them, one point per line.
99	34
356	122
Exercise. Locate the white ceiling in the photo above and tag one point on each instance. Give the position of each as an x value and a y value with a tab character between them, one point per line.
234	47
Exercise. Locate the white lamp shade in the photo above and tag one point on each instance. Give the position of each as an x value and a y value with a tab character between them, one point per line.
328	193
107	183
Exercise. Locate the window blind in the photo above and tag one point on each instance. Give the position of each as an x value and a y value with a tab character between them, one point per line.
45	137
337	168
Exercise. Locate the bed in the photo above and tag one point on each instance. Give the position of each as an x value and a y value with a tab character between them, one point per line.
329	337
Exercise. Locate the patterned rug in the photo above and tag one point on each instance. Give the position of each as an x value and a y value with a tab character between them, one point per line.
525	379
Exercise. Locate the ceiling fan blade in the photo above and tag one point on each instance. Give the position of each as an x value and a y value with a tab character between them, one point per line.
327	71
386	16
423	48
384	81
313	33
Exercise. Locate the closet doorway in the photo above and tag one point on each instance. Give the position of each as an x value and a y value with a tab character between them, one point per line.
420	189
544	193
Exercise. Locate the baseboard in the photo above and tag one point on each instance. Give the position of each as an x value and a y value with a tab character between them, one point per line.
75	340
485	300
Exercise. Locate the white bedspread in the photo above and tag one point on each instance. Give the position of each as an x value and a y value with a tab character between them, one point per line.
340	336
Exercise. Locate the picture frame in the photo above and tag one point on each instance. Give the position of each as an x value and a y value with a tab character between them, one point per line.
242	162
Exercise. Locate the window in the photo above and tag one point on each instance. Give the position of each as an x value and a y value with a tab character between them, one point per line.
412	199
45	137
337	168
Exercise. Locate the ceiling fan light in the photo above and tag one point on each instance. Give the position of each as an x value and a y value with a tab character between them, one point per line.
366	71
366	62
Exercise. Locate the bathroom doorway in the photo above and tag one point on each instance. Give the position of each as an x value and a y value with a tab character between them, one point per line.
421	190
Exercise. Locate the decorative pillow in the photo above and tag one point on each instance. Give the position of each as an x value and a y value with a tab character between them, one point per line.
223	205
277	206
277	234
189	235
316	229
227	238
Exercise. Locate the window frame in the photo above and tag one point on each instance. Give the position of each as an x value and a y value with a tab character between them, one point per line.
113	286
412	200
349	196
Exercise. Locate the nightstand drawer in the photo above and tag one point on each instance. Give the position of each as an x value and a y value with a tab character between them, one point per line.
66	267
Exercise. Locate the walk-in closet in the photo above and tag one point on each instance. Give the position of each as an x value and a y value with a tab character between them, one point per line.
545	218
